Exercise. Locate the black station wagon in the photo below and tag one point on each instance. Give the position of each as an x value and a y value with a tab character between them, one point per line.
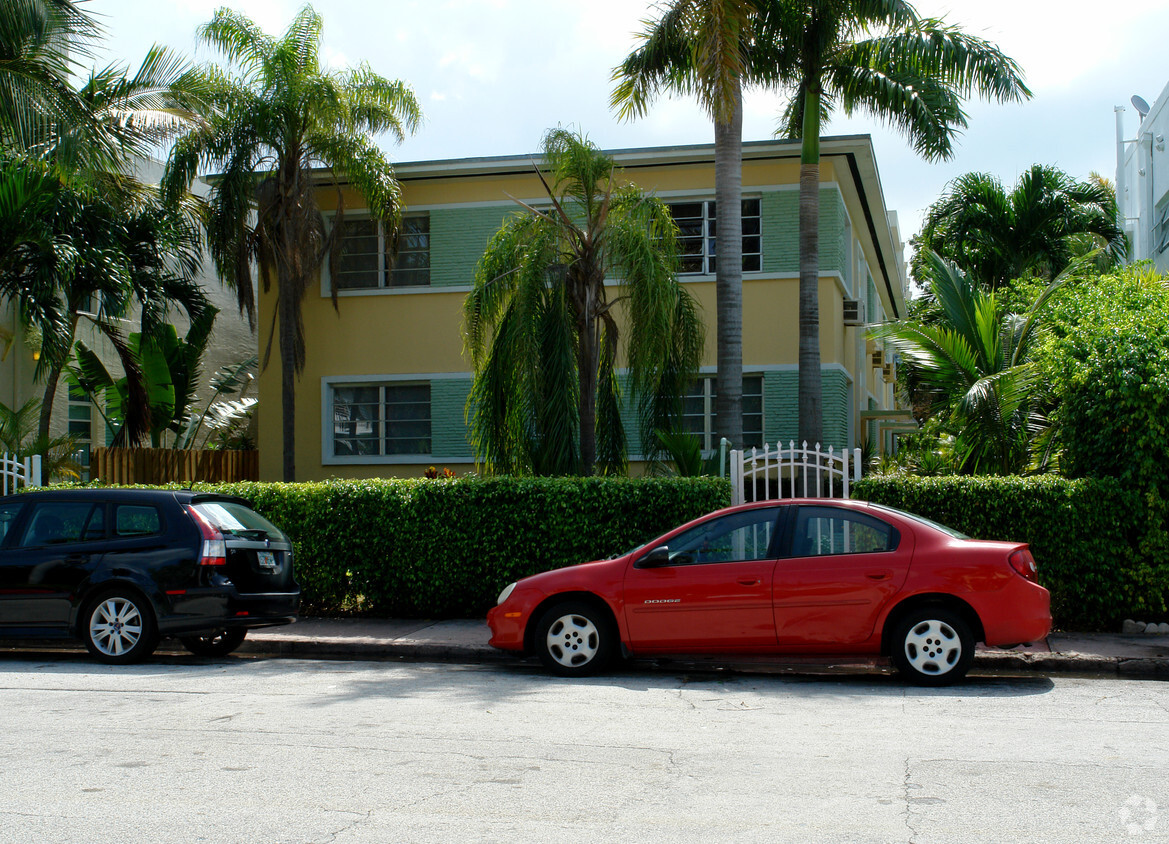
122	568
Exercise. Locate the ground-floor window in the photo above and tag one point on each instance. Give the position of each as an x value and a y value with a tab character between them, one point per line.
698	411
373	420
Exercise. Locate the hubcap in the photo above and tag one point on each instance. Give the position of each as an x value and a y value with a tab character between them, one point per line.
115	626
573	640
933	647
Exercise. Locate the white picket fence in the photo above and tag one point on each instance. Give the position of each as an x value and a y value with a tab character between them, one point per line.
791	472
16	473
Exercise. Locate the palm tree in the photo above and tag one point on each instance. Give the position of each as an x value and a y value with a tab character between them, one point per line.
543	333
973	365
1037	228
267	128
75	256
876	56
707	48
40	42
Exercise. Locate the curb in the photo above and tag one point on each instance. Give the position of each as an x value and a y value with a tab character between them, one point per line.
443	652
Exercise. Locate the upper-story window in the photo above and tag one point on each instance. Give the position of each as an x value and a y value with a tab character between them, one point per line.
696	238
1161	229
369	260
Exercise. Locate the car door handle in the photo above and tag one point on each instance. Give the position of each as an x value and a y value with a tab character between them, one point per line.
77	558
749	581
879	575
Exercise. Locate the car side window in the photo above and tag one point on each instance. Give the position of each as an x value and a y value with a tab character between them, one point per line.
738	537
8	514
56	522
829	531
136	520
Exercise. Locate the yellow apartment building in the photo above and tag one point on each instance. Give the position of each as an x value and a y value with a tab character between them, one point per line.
385	386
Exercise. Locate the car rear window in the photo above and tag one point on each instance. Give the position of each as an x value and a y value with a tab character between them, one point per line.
922	520
233	517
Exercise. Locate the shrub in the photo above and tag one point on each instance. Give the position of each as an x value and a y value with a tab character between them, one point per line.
445	548
1083	534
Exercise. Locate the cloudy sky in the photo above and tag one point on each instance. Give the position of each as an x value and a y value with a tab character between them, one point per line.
493	75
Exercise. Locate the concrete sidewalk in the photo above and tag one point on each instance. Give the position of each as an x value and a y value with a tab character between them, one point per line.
465	641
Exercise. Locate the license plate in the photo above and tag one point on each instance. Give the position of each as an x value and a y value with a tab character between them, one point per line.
266	559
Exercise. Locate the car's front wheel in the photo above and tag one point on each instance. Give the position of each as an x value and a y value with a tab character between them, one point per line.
118	627
216	643
933	646
575	639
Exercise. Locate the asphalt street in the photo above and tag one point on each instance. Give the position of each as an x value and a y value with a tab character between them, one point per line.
266	750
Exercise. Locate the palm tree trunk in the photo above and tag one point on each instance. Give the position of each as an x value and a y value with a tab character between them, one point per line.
810	401
287	382
728	192
587	364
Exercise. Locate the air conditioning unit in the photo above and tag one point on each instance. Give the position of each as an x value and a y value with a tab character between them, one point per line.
878	359
854	312
889	372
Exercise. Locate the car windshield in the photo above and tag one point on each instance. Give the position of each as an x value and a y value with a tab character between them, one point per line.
233	517
921	520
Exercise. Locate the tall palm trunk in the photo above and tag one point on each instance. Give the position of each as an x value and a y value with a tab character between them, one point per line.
588	360
810	402
728	193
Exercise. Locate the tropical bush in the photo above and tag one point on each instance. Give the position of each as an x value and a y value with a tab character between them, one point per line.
1083	534
434	548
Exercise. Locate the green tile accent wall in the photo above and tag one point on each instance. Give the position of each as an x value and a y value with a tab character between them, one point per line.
458	237
448	432
781	231
781	412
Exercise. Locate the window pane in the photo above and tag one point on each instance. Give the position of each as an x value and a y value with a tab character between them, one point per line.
824	531
734	538
8	514
411	261
356	423
358	265
407	419
55	523
136	521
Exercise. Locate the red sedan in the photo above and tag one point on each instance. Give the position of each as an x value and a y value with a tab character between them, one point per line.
812	577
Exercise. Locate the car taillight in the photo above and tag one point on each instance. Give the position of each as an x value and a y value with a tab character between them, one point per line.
1022	562
214	551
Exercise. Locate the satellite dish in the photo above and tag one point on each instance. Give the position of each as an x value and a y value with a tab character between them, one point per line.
1142	107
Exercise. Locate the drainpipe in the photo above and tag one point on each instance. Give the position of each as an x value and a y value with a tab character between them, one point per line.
1122	179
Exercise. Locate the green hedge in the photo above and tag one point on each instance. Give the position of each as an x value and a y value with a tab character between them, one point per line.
445	548
1084	533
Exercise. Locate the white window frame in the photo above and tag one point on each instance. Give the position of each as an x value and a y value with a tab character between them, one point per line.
708	238
708	434
329	386
384	275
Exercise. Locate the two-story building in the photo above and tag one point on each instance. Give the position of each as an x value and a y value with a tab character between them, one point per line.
385	387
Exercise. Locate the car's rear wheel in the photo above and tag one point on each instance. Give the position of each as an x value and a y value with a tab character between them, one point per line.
118	627
933	646
575	639
216	643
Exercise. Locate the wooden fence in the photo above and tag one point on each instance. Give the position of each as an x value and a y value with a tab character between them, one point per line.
166	465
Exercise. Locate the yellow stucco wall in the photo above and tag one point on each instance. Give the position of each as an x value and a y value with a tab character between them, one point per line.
420	333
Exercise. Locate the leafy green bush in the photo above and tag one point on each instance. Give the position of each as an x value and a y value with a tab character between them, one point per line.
434	548
1083	534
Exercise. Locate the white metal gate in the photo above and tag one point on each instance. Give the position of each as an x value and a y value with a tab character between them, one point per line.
16	473
792	472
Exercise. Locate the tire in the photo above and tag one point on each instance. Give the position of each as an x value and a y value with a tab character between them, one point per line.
575	639
932	646
216	643
118	627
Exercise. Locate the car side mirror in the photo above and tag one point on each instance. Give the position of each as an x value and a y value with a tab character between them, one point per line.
659	556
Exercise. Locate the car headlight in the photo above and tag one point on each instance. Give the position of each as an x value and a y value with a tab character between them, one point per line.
505	594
